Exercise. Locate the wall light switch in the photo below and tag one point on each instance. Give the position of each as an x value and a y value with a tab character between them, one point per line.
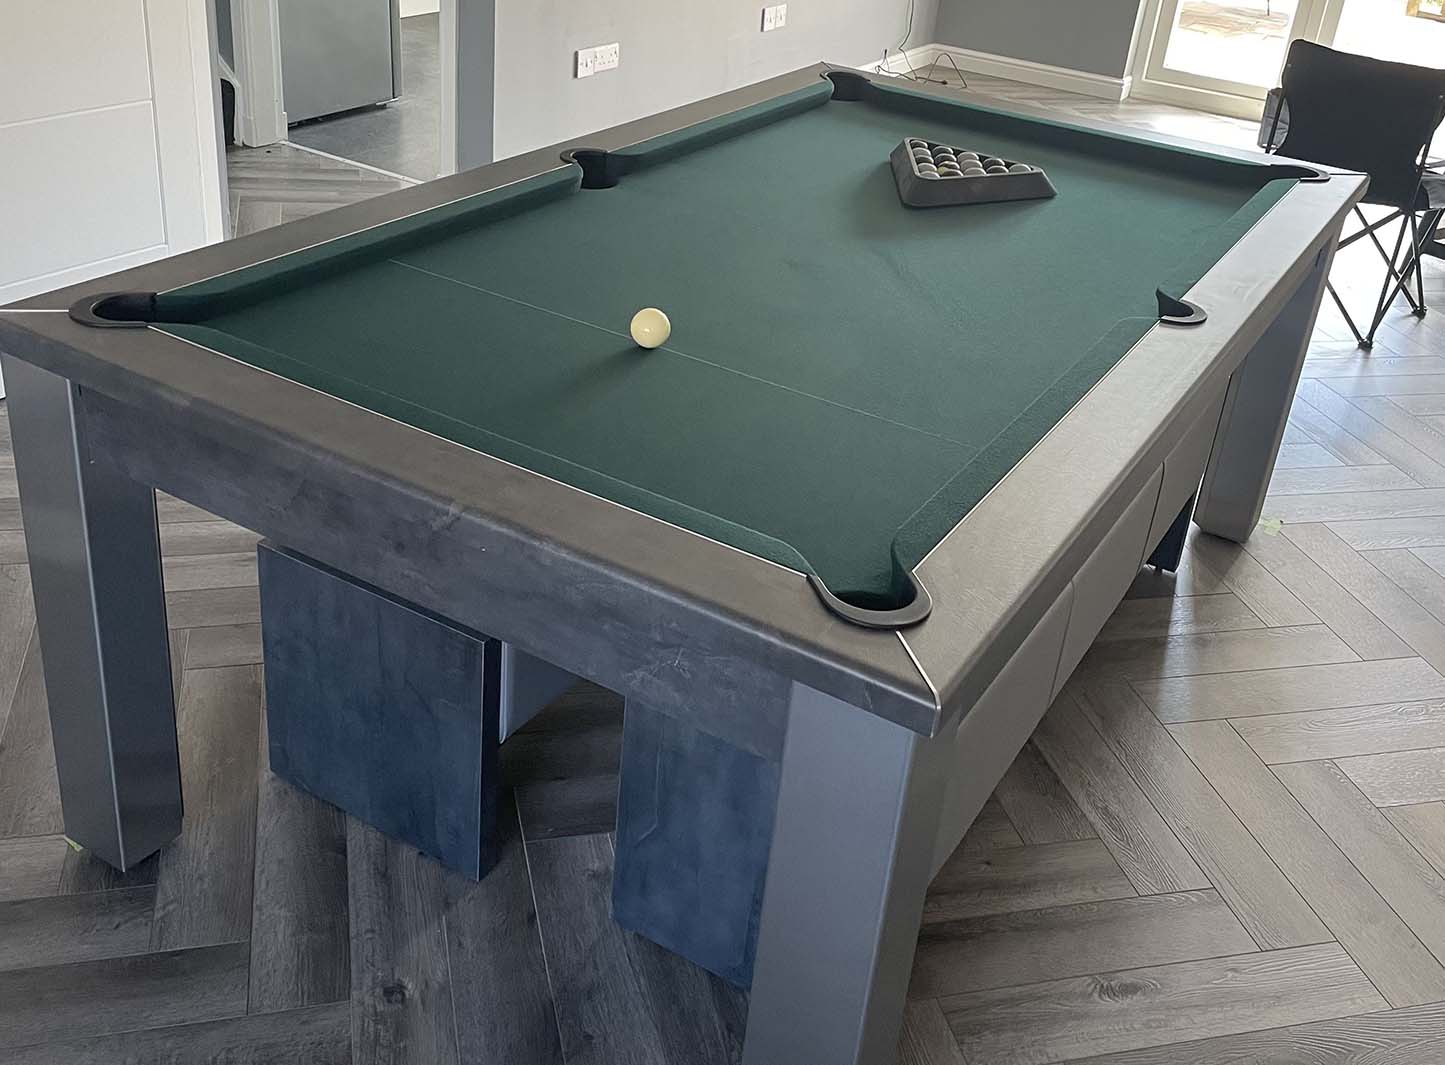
775	17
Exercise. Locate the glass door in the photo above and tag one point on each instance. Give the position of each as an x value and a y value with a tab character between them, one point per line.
1404	31
1221	55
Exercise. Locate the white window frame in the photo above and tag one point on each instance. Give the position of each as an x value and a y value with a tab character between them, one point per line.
1315	20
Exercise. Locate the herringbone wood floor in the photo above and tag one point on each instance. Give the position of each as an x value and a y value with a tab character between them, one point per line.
282	182
1225	843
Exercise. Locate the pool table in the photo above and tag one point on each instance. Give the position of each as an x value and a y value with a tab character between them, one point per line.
839	541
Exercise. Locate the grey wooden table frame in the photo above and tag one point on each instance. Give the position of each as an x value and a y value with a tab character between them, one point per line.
861	724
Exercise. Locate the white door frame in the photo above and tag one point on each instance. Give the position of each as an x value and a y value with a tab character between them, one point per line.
1315	20
1330	12
189	131
260	110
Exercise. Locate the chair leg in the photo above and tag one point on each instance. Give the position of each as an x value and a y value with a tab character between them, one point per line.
1432	227
1344	312
1370	231
1394	282
1398	272
1412	269
1423	236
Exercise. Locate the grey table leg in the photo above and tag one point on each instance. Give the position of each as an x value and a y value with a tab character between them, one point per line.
100	606
858	811
1255	411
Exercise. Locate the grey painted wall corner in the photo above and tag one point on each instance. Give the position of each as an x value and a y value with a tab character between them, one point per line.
1095	36
673	52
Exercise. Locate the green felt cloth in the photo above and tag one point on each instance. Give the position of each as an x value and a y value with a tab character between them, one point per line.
846	376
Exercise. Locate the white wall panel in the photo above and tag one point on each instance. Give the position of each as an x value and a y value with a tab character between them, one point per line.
60	56
77	189
110	147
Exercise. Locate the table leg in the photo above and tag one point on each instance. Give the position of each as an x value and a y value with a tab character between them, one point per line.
858	811
100	607
1256	408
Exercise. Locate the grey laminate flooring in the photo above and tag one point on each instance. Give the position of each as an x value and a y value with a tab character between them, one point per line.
1225	843
280	182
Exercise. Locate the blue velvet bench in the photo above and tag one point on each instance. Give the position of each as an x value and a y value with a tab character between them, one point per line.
395	715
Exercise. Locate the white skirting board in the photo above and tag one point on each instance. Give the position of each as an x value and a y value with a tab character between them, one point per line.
1100	86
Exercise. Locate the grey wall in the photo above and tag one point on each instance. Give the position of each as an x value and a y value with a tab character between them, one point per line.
476	62
673	52
1089	35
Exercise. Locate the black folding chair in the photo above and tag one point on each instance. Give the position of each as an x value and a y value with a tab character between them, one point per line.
1377	118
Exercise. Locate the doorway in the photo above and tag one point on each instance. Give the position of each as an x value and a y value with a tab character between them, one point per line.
411	129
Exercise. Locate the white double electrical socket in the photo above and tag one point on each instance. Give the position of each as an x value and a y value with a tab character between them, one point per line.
597	59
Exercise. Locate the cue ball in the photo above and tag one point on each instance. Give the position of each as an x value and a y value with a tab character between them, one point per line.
650	328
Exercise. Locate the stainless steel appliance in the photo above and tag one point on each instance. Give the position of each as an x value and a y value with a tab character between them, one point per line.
338	54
